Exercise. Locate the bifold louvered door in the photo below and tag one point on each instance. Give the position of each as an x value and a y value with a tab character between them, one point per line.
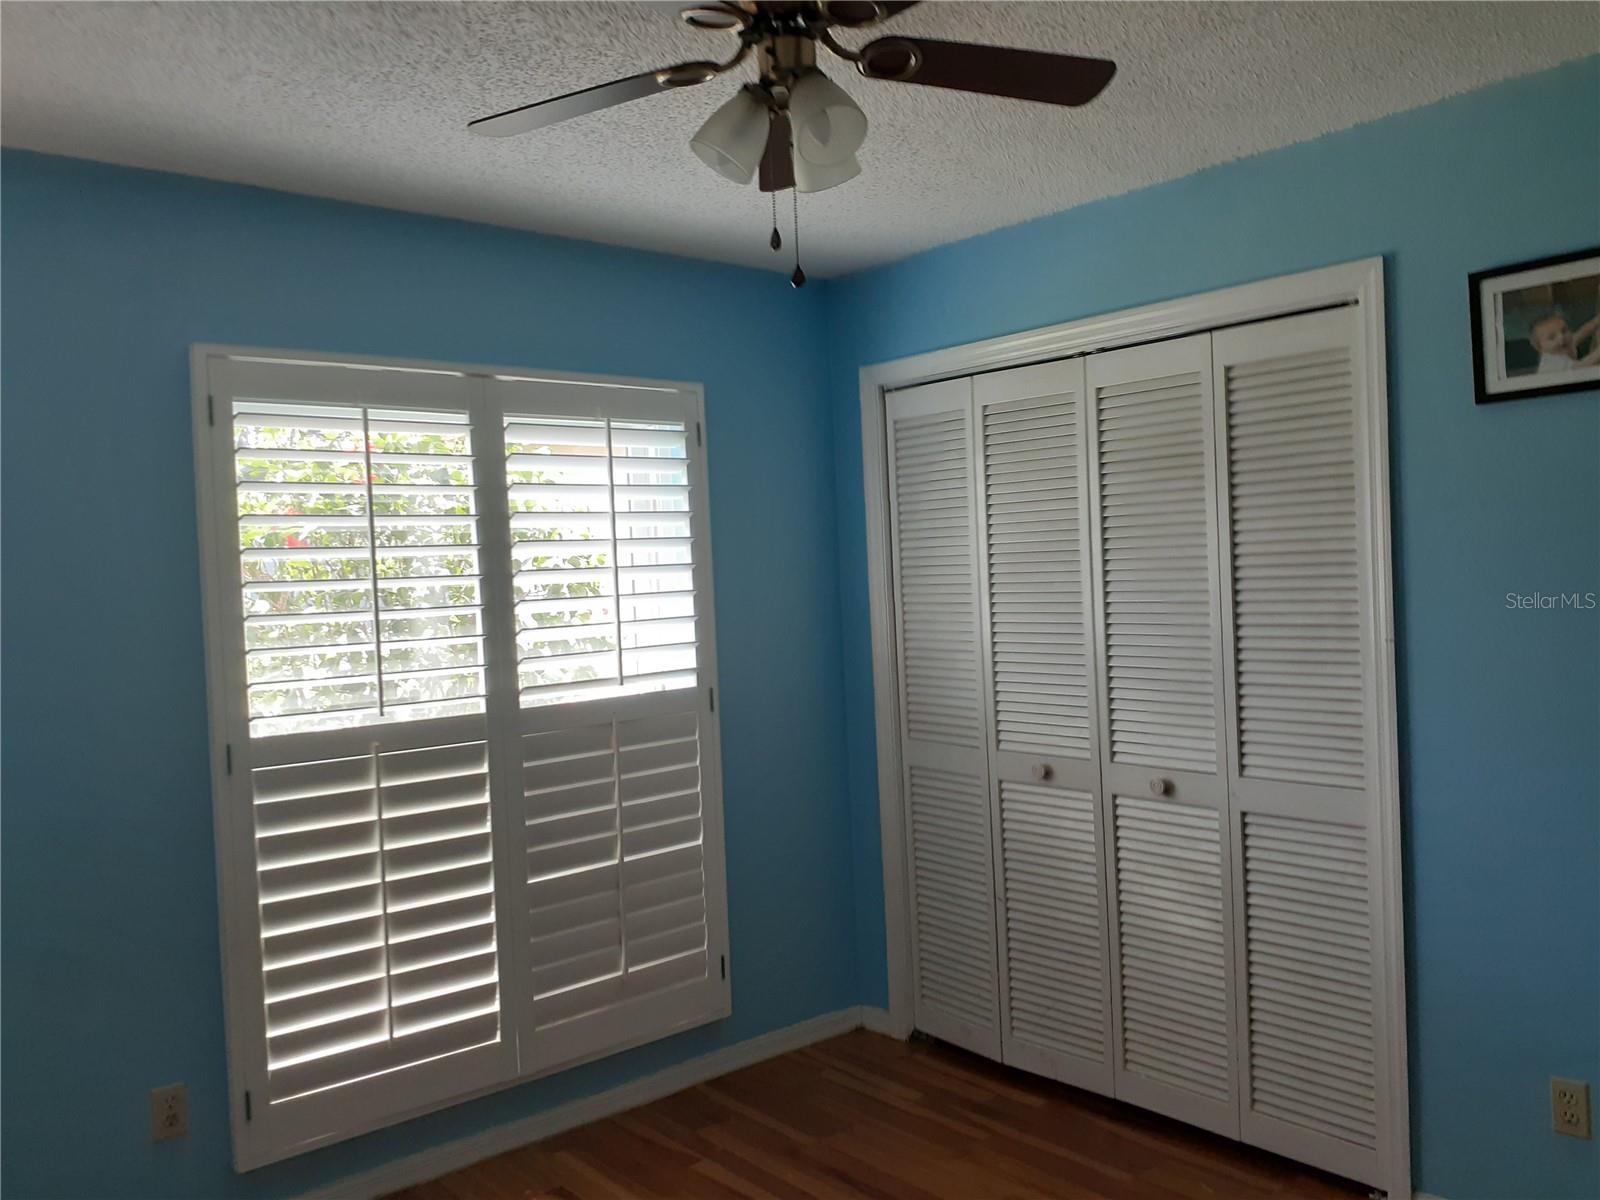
367	940
1302	766
1162	760
943	729
1033	536
611	736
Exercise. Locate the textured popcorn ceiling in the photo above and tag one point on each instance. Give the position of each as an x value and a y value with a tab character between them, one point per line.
369	102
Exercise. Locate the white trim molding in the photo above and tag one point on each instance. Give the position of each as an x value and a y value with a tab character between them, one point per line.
453	1156
1358	283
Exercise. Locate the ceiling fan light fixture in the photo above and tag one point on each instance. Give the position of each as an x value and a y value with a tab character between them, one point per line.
808	177
829	127
734	137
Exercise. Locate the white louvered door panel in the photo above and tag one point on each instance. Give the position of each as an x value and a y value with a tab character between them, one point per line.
364	932
621	909
1302	730
943	739
1034	552
1164	813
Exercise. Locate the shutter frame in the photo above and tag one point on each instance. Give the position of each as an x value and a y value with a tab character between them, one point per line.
264	1132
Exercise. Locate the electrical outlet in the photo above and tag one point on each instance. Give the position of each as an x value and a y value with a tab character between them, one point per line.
1569	1107
169	1112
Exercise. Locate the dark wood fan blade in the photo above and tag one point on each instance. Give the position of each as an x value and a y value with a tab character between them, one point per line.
777	162
604	95
989	70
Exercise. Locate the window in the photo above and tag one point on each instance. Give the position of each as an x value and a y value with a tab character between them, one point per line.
462	679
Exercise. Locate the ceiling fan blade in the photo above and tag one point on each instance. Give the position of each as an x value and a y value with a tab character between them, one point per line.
604	95
777	161
989	70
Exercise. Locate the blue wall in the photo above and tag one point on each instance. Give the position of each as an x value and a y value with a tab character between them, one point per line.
1499	709
112	981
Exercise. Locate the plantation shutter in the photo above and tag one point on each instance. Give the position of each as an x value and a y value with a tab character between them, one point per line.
1034	543
1158	616
1301	679
462	667
933	518
348	547
613	736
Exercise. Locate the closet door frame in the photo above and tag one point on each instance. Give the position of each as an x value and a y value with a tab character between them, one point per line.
1360	283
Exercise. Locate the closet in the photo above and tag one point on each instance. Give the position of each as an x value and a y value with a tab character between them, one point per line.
1134	616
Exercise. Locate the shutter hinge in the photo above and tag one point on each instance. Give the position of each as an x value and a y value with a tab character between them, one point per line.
699	438
724	966
248	1116
713	692
211	410
228	755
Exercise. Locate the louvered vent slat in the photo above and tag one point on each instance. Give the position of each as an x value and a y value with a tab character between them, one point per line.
1296	574
1308	937
358	554
1031	497
936	590
950	861
1052	880
376	887
1155	538
1170	914
614	838
602	557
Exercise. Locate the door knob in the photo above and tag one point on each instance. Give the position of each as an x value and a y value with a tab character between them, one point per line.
1043	771
1160	787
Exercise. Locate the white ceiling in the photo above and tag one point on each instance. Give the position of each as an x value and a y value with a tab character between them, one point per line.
369	102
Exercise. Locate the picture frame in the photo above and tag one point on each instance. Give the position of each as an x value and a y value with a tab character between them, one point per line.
1536	327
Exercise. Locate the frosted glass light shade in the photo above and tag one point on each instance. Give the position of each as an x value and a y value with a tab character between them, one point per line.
733	138
808	177
828	127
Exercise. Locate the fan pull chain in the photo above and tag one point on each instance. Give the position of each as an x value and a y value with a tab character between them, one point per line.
776	241
798	279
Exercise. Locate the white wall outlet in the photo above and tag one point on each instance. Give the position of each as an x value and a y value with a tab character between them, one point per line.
169	1112
1569	1107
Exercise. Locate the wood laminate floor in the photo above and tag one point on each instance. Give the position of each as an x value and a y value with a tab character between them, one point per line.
866	1116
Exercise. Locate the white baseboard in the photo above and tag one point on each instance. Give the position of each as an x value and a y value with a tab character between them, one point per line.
878	1020
452	1156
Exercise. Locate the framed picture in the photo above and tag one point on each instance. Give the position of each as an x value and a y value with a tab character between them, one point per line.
1536	327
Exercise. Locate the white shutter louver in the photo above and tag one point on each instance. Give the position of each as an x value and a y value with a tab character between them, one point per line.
422	609
1160	626
1171	918
938	597
955	913
1036	611
616	891
359	565
944	750
602	550
1055	926
377	913
1309	951
1296	583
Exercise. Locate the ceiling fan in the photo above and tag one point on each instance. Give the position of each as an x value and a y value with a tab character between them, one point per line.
794	127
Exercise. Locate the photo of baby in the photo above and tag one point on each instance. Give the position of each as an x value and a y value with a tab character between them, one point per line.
1536	327
1552	328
